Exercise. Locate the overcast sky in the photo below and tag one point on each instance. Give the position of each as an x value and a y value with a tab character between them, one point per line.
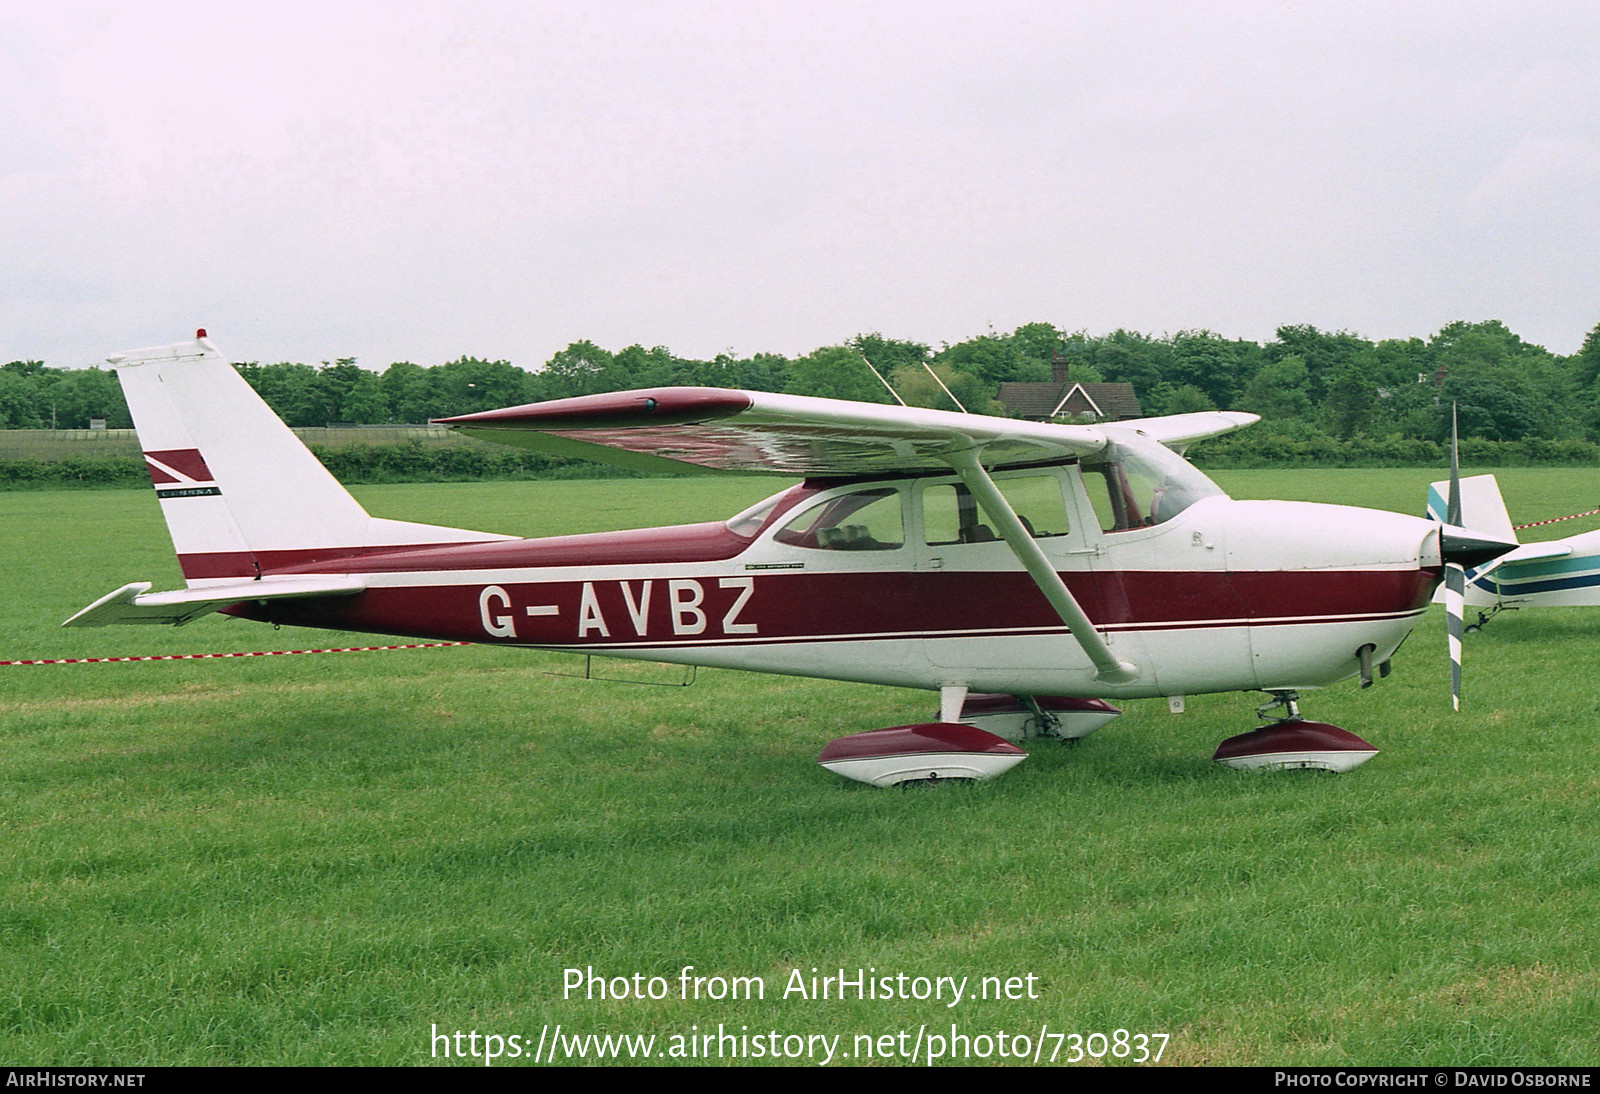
397	181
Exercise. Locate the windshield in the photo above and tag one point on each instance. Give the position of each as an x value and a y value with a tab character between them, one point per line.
1139	483
865	520
753	519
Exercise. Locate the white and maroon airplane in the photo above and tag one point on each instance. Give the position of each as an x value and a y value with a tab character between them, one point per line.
1026	572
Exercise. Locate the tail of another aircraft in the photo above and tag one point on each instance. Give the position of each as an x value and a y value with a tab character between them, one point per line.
1482	507
241	494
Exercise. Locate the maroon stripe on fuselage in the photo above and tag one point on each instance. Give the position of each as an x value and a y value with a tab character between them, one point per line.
829	607
711	542
213	564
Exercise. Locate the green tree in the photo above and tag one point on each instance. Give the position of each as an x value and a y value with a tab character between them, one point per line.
1185	399
1485	409
469	385
1585	365
997	359
19	400
1537	392
1209	362
761	372
636	367
835	372
1278	390
1323	353
405	392
918	388
1038	344
293	391
1406	410
1131	358
1399	362
1351	401
888	354
79	394
583	368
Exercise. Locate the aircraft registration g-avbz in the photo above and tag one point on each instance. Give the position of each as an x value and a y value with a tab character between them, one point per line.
1026	572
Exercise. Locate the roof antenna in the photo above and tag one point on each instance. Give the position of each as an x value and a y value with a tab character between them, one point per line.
946	390
881	380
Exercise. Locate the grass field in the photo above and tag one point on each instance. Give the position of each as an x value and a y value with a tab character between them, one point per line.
319	859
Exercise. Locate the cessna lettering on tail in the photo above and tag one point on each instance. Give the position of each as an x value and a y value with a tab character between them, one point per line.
1024	572
607	609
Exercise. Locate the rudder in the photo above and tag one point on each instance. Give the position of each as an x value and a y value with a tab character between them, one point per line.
241	494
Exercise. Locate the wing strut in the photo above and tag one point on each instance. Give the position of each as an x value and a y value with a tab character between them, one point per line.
977	480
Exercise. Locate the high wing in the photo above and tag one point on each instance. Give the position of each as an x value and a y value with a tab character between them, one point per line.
683	429
722	430
1179	431
715	429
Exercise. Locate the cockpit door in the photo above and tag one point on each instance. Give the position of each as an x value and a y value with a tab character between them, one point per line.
1167	600
982	615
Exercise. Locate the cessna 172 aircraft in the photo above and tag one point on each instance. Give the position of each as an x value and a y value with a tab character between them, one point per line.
1049	567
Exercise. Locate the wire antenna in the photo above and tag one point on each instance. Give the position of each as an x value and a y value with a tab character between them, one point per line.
881	380
946	390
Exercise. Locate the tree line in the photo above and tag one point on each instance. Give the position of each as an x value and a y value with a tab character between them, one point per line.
1308	385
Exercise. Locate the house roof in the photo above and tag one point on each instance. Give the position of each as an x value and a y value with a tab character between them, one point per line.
1109	402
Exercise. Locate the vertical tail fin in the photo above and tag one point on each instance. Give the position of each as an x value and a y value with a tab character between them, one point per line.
1482	507
241	494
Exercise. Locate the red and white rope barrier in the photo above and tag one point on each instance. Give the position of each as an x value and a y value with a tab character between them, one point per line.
252	653
1556	520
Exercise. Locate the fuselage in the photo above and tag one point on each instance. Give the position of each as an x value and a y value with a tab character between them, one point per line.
1571	579
899	581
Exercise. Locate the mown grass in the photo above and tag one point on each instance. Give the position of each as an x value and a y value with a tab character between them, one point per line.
315	859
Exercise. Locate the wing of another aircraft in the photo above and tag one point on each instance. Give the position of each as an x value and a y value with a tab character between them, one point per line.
715	429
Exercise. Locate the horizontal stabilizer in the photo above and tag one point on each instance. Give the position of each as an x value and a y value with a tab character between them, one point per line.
1529	552
135	603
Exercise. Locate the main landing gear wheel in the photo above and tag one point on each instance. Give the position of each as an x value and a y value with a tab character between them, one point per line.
929	752
1019	717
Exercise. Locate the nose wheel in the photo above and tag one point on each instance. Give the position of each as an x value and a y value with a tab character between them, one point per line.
1286	703
1290	743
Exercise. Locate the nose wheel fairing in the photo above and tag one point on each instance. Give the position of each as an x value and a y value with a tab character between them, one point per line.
1295	745
1290	743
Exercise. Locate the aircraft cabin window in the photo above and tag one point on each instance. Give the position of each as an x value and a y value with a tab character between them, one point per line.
867	520
950	514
